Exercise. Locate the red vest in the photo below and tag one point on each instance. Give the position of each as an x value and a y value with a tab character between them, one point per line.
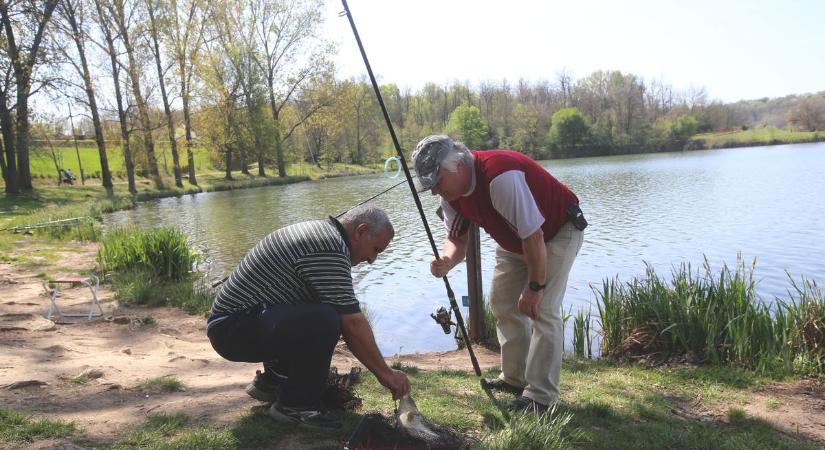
551	196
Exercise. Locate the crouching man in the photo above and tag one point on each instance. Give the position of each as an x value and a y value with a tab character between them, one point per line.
290	300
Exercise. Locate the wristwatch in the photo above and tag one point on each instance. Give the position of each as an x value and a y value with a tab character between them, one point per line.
535	286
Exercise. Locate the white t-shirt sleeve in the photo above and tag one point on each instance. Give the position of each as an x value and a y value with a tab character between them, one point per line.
512	198
456	224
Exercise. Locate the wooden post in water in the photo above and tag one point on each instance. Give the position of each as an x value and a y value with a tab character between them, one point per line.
474	289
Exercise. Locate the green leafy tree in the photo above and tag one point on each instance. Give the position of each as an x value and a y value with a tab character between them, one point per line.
467	126
673	134
568	130
528	137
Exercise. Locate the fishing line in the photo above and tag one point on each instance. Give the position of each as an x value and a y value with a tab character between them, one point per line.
386	168
403	161
372	198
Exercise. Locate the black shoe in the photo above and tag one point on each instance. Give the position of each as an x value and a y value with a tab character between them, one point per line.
264	387
525	404
497	384
311	417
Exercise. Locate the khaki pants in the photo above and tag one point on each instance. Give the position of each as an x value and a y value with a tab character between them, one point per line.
531	351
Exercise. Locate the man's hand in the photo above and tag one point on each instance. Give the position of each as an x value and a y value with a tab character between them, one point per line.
440	267
397	382
529	301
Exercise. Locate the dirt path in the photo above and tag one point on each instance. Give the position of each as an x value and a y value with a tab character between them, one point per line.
126	346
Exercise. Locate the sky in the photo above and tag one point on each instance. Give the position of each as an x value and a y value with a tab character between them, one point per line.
733	49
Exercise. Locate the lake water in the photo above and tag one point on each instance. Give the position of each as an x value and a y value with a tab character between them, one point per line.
664	209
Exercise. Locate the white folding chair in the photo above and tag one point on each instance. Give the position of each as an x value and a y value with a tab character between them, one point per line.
52	288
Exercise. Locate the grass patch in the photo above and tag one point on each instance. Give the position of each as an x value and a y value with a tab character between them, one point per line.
409	370
753	137
192	293
81	379
162	384
42	165
18	429
736	416
528	431
604	405
157	429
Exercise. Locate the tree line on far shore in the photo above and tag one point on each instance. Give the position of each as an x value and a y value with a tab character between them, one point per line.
252	81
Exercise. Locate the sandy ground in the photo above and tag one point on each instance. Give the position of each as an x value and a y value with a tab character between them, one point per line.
130	344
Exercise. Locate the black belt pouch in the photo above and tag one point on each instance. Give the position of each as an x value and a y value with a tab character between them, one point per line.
576	217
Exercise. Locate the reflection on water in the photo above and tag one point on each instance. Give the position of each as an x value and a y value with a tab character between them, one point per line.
663	209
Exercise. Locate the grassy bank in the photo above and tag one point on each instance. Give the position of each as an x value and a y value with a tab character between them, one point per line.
751	138
43	154
43	165
604	406
51	202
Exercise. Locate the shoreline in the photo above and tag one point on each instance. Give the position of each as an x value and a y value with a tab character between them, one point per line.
701	144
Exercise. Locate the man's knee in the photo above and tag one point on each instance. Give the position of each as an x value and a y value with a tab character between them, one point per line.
322	321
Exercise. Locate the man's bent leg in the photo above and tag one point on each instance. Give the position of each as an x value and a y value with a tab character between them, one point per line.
302	335
513	328
307	340
545	357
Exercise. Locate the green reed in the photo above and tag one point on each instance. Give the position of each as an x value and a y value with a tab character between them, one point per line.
163	253
582	339
714	317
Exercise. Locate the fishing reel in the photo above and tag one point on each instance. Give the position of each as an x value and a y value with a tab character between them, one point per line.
443	317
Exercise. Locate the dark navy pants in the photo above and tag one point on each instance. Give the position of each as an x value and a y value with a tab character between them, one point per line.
300	337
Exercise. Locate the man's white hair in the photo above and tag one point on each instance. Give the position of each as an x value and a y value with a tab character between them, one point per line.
459	155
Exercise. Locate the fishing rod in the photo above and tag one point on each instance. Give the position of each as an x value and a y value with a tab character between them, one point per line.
453	305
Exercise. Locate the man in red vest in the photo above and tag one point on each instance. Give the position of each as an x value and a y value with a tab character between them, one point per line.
538	226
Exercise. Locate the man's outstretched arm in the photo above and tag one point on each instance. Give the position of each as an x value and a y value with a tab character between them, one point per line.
361	342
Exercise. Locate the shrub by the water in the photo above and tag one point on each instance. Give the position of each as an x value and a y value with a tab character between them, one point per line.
713	317
163	253
154	268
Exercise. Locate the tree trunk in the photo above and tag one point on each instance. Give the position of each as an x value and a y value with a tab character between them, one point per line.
279	146
170	123
22	134
143	108
3	169
10	164
187	126
143	116
228	157
121	112
23	70
106	174
261	170
279	150
244	162
124	136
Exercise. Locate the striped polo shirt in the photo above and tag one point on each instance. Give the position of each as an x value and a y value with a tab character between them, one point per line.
308	262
